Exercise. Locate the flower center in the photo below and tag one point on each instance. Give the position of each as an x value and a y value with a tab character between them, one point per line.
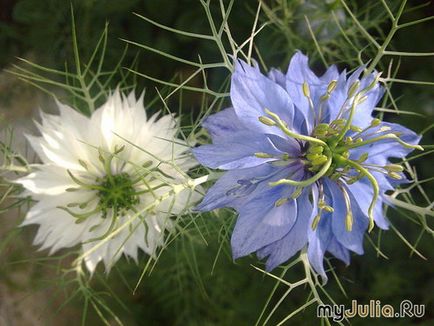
117	192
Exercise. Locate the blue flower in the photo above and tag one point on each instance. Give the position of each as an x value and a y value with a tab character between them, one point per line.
307	164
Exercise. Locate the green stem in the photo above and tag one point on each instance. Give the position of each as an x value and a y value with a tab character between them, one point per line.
382	49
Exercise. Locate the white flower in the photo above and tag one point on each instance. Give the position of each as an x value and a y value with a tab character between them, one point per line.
116	173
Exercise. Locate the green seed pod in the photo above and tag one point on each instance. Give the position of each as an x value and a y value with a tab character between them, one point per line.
315	149
320	160
312	156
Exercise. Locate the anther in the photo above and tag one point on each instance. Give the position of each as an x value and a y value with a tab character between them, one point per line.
267	121
280	202
83	164
263	155
394	168
306	90
363	157
394	175
315	221
375	122
349	221
297	192
353	88
332	85
355	128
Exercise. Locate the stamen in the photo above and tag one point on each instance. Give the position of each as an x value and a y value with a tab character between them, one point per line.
306	92
306	89
81	183
297	192
394	175
263	155
375	187
394	168
280	202
83	164
363	158
353	88
331	86
375	122
315	221
80	217
348	122
349	213
376	139
267	121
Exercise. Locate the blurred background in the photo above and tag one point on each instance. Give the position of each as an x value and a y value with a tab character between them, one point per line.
194	283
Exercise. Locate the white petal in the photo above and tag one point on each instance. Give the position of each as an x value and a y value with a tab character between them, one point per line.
48	180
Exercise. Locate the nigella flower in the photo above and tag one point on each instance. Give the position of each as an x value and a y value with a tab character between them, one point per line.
307	164
109	182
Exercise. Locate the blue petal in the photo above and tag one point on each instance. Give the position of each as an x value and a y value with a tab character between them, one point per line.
238	152
277	76
232	190
318	239
338	103
332	73
339	251
222	125
280	251
286	145
363	114
299	73
352	240
337	99
261	222
252	93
